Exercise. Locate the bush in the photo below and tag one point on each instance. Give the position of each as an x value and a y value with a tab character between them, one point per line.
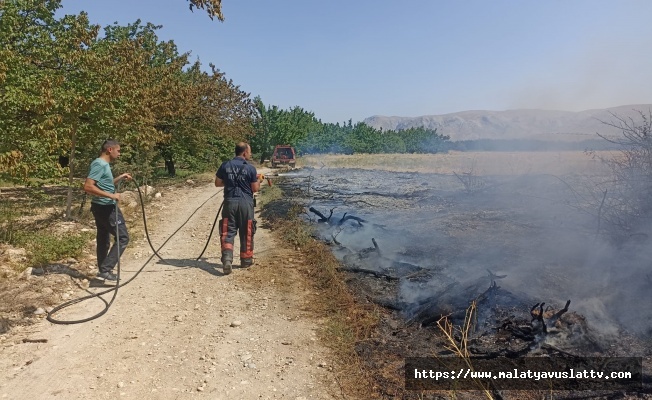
625	203
44	247
8	229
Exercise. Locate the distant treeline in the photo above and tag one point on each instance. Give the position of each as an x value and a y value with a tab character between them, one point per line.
361	138
530	145
350	138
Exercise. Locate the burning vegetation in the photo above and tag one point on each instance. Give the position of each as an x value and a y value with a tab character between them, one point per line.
513	265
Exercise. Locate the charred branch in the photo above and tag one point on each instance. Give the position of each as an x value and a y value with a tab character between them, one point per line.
386	303
322	217
373	240
494	276
346	217
520	331
557	350
432	307
488	293
562	311
538	316
369	271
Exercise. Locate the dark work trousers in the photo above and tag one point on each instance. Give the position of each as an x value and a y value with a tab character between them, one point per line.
105	223
237	218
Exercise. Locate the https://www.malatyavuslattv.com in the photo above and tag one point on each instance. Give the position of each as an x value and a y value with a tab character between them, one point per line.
468	373
533	373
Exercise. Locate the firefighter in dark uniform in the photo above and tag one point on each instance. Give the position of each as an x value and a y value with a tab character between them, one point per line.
240	182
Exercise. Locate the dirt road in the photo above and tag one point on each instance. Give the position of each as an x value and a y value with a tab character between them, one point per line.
179	331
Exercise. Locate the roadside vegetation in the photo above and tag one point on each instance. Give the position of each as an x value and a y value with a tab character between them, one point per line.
345	322
35	240
32	223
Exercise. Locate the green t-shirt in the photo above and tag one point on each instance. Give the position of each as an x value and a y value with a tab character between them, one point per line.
101	173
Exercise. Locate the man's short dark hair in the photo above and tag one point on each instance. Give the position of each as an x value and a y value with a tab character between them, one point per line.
240	148
108	143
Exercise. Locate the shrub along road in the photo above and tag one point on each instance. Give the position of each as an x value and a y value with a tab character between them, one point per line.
180	329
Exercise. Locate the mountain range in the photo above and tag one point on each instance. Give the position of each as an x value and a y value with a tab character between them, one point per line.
519	124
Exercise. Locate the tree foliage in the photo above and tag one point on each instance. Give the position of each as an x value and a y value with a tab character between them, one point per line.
274	126
299	128
64	89
212	7
361	138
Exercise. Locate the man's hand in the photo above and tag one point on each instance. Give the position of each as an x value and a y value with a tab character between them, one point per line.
119	179
125	176
116	196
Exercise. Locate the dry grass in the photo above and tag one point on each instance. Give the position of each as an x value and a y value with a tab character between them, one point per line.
459	347
268	194
344	321
481	163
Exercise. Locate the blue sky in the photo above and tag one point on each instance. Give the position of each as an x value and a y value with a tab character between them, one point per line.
351	59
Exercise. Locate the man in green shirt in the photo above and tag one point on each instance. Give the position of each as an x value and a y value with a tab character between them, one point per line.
104	206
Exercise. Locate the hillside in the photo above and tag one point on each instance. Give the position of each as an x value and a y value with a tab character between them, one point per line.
510	124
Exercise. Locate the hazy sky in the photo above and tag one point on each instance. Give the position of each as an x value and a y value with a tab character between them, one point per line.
351	59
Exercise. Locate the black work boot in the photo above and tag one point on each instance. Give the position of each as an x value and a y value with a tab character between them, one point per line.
226	267
227	261
246	262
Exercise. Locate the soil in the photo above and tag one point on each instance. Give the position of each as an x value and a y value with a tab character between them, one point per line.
181	329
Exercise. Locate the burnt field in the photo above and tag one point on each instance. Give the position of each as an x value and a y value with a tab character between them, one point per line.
509	248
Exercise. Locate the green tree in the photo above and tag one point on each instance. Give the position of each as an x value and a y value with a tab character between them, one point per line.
63	91
28	80
364	139
327	138
218	113
274	126
392	142
52	91
422	140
